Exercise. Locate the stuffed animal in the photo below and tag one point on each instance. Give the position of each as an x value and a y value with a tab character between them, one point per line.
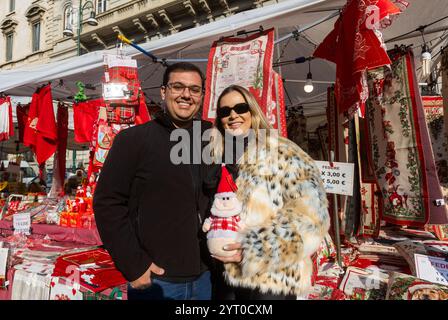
224	222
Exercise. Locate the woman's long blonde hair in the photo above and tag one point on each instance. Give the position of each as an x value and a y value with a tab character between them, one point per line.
258	120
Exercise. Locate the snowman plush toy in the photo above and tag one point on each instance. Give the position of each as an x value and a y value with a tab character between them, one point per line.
224	222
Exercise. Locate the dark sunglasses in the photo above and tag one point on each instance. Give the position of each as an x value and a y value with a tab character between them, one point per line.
239	108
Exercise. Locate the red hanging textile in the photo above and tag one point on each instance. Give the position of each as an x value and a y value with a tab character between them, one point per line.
29	134
121	71
142	115
354	45
85	114
40	130
401	147
6	125
243	61
22	118
275	110
60	157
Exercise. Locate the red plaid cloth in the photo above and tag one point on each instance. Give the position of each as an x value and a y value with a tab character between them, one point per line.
122	114
230	223
123	111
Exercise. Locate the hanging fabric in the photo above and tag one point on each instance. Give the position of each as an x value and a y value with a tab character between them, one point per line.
142	115
371	204
401	147
353	209
122	114
441	231
275	110
121	71
103	136
243	61
22	119
296	127
6	125
57	187
444	70
433	108
434	113
85	114
360	214
322	133
337	142
355	45
40	130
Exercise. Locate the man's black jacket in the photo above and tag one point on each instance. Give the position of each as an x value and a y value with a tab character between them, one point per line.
146	208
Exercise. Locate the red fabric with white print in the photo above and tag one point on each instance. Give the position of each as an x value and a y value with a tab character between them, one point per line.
355	45
243	61
40	132
400	145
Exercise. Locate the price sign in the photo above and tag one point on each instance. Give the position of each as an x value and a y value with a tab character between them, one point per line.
432	269
337	178
3	259
22	223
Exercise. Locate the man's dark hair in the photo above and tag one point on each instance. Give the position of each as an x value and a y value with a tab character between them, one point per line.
179	67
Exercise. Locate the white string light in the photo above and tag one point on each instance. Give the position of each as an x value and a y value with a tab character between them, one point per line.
309	87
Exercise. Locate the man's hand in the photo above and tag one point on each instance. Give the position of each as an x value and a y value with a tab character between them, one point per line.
145	280
237	257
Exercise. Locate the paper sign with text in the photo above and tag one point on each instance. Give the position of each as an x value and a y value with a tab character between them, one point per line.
337	178
113	61
3	260
22	223
433	269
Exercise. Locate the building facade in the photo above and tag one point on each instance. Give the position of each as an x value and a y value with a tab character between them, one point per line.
40	31
24	37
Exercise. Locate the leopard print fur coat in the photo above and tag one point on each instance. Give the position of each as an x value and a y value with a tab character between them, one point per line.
284	218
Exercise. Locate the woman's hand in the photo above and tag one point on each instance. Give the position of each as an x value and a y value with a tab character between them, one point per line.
237	257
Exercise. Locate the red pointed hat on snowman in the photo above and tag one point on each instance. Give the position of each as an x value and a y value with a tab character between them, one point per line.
226	203
226	186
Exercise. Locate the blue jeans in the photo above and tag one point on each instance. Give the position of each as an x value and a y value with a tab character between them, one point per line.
199	289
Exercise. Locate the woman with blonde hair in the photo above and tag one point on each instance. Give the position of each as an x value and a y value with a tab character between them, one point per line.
284	214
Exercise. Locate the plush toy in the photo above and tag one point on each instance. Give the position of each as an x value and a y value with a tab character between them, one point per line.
223	224
80	96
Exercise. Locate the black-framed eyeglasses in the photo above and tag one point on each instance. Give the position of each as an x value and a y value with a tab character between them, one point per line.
179	87
239	108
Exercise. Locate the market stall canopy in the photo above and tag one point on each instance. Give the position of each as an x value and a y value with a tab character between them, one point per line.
195	43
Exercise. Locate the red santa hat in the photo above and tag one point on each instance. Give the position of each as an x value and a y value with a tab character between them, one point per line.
226	184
